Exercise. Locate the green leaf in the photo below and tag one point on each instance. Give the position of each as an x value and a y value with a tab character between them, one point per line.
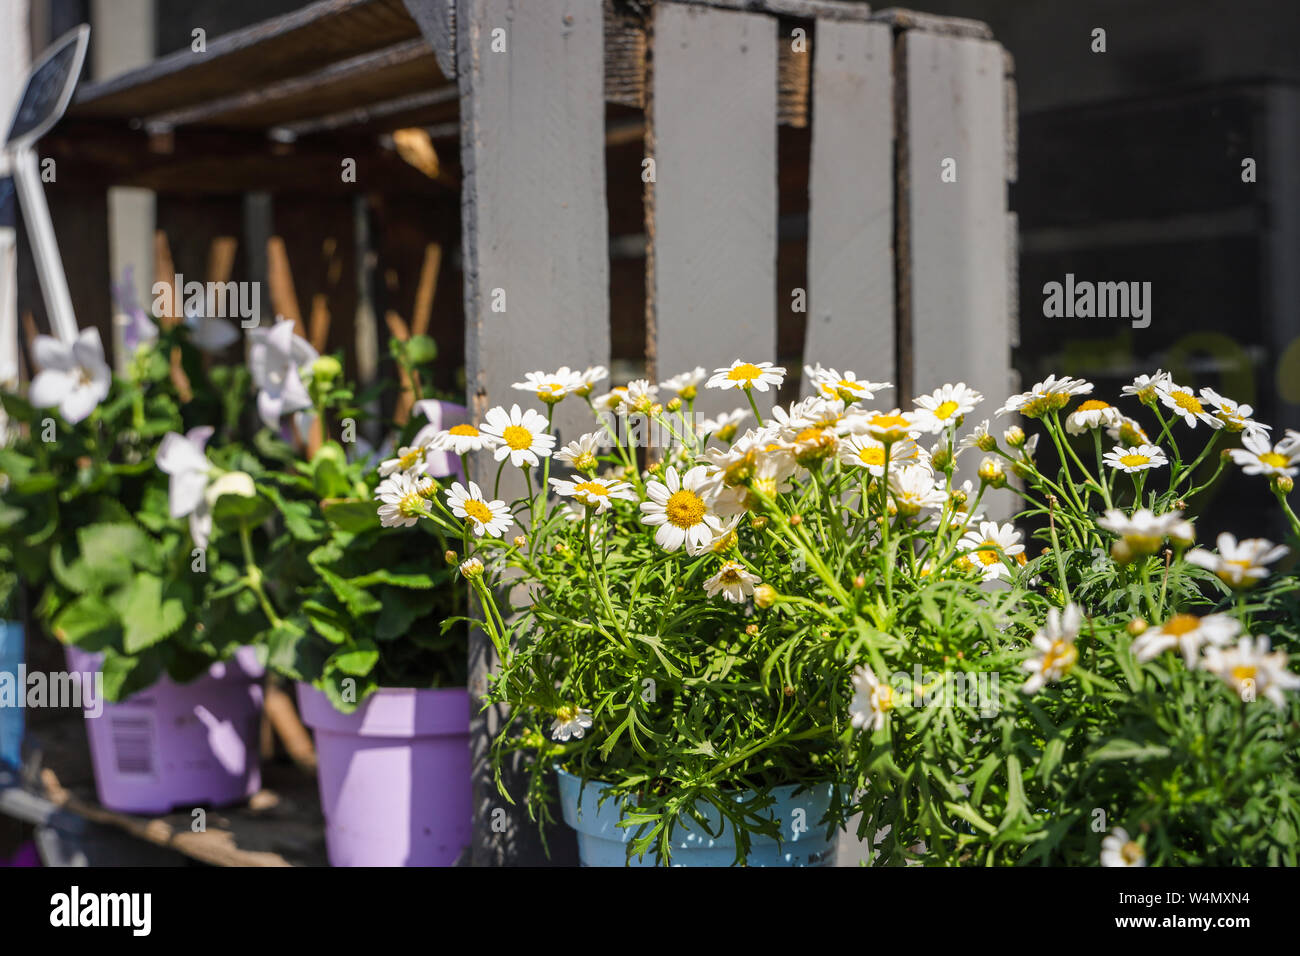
358	660
351	515
400	610
329	622
231	511
87	622
1121	749
110	549
147	616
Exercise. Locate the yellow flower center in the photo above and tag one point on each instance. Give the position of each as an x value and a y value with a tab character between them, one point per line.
1092	405
730	573
1062	656
745	373
725	543
551	392
872	456
987	556
1134	460
465	430
566	713
1244	673
409	460
889	422
1133	434
1274	460
883	696
517	437
685	509
1181	624
477	510
591	488
412	504
945	410
1131	852
1187	402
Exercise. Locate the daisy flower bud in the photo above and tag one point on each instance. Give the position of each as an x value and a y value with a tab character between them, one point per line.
795	521
1121	551
1284	484
860	582
473	568
1136	627
675	405
764	595
520	541
752	630
451	557
986	442
758	522
991	473
941	459
1014	436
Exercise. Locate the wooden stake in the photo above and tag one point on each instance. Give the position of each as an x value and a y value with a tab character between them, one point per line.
284	300
424	292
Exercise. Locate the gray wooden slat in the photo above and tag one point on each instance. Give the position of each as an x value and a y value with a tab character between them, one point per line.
715	200
957	315
437	20
851	192
534	225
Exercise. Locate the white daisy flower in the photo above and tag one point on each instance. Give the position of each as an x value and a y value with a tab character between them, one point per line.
863	451
1146	388
581	454
724	426
679	512
1127	431
485	517
1259	457
461	439
570	721
73	376
1236	416
979	438
597	493
945	407
1055	644
1184	403
1251	670
1138	458
986	546
1145	531
403	499
409	458
872	700
1091	415
1118	850
471	568
913	489
551	387
1051	394
611	401
588	378
733	581
1239	564
1188	633
725	538
521	436
847	387
640	396
748	375
892	426
686	385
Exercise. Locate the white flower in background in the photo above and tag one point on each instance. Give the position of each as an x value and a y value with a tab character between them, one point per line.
733	581
588	378
1135	458
979	438
679	512
460	439
570	721
986	546
1239	564
1127	431
581	454
403	499
551	387
1145	531
748	375
1290	442
1055	644
889	427
847	387
410	458
945	407
1259	457
686	385
276	357
209	333
73	376
872	700
913	489
1091	415
1236	416
725	538
813	410
640	396
724	426
1049	395
1251	670
611	401
520	436
1188	633
1118	850
863	451
1186	405
485	517
183	459
597	493
1147	388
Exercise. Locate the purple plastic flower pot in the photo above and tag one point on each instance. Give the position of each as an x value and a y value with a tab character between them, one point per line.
177	745
394	776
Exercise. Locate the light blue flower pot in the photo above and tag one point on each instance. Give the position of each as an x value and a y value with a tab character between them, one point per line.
11	717
602	842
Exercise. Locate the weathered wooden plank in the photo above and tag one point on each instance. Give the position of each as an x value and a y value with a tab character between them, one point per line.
437	21
851	220
715	202
956	312
534	251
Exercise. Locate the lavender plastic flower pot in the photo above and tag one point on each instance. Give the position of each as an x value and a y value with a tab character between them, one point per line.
11	717
602	842
177	745
394	776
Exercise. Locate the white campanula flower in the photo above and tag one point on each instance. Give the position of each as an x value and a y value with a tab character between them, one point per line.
872	700
1239	564
597	493
1251	670
1260	457
484	517
570	721
1184	403
209	333
987	546
551	387
1049	395
183	459
403	499
1091	415
679	511
759	376
1118	850
518	435
1056	649
276	357
945	407
1135	458
73	376
1188	633
733	581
